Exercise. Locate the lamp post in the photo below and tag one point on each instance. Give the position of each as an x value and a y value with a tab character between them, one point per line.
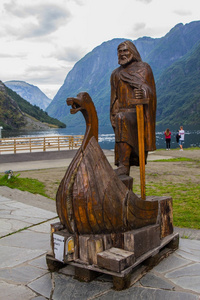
0	131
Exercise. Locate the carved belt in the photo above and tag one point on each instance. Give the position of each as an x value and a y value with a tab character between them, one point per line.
132	109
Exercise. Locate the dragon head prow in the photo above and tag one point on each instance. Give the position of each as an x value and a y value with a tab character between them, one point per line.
79	103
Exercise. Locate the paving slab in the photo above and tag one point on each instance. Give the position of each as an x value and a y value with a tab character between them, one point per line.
16	215
170	263
22	274
140	293
188	282
27	240
39	262
42	285
153	281
9	291
70	289
187	277
12	256
189	249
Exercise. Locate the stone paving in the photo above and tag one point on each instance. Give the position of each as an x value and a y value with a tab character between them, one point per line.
25	240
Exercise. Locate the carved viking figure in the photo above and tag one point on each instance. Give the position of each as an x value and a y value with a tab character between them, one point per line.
132	80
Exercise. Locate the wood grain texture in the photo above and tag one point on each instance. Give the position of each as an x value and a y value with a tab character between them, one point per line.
91	198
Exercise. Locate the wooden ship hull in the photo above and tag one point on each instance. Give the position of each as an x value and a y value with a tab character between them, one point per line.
92	199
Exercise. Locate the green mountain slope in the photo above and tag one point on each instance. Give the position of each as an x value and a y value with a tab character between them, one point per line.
178	91
10	114
17	113
92	72
173	46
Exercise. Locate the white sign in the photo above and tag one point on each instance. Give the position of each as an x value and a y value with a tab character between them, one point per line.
58	241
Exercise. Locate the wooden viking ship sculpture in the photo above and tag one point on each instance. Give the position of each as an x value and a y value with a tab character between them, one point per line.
91	198
104	227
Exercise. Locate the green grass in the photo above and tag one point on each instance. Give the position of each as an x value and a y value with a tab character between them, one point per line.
177	159
186	200
24	184
185	149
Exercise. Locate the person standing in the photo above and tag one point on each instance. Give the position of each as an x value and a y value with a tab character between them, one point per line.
167	134
177	137
182	137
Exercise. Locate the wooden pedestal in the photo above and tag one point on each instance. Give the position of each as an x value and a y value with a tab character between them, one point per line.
117	254
131	274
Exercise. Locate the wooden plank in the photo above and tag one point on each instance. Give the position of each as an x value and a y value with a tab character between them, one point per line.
85	274
150	253
94	246
120	283
142	240
166	216
83	250
53	264
117	240
115	259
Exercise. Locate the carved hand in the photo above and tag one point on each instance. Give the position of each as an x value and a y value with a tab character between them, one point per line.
138	94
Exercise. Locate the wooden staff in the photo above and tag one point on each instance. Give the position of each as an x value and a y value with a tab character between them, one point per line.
140	124
139	102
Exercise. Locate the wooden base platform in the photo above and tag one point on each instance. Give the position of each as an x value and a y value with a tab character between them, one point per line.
122	279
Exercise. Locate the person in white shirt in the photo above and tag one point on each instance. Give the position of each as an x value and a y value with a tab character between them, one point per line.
182	136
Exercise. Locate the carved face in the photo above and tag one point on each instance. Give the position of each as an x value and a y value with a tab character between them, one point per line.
124	55
79	103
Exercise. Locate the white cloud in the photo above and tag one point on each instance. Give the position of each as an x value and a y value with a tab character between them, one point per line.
70	54
145	1
139	26
41	40
35	20
182	12
10	56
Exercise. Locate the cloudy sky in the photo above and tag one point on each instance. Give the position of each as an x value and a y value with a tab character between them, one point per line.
41	40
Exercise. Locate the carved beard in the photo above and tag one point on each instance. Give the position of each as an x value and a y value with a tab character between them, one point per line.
125	60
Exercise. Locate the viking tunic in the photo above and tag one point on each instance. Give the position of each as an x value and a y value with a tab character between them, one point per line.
124	81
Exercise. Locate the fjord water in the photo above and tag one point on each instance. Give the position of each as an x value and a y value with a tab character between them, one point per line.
107	138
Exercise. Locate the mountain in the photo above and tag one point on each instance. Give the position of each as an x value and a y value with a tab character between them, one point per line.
10	114
29	92
179	91
17	113
92	72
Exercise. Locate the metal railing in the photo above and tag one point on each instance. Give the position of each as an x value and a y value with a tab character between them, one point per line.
34	144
